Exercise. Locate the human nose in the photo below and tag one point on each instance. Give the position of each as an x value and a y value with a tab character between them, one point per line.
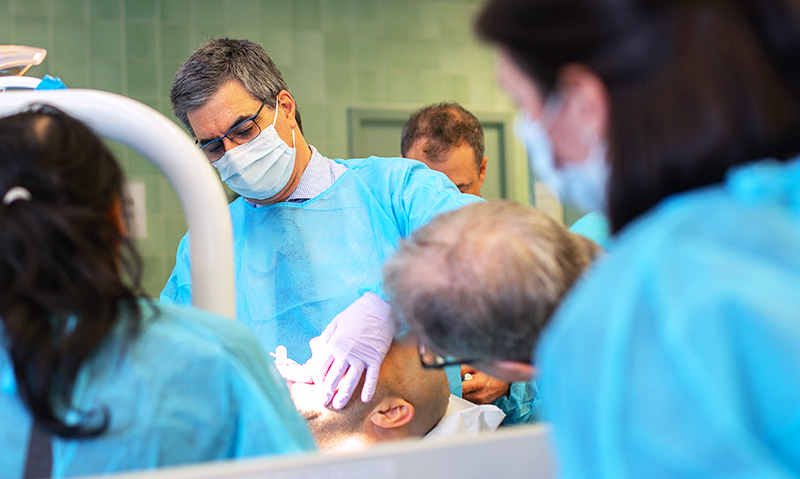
228	143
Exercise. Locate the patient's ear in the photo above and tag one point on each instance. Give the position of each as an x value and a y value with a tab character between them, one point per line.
392	413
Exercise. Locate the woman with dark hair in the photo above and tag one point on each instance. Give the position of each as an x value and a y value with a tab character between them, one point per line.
678	356
94	378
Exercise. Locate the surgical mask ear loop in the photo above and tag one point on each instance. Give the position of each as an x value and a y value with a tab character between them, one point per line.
275	121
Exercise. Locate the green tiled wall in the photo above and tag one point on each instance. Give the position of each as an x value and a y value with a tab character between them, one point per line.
334	54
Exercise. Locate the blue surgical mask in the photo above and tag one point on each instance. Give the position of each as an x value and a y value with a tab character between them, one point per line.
260	168
583	185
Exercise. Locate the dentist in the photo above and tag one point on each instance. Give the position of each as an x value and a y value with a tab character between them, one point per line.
311	234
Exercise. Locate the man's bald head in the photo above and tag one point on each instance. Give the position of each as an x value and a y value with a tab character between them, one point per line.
408	402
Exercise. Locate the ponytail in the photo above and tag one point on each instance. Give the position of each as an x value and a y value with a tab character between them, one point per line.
62	260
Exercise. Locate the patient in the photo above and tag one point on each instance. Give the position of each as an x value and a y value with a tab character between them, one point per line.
409	402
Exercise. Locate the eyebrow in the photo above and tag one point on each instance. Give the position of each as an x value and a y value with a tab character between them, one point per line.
235	122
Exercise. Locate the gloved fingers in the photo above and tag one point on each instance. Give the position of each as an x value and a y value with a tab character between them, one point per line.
315	344
370	383
295	373
280	354
347	385
327	333
335	373
320	365
289	369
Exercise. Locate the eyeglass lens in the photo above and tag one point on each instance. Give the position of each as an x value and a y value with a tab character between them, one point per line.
240	134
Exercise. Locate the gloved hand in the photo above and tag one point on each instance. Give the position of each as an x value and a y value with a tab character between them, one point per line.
357	339
481	388
289	369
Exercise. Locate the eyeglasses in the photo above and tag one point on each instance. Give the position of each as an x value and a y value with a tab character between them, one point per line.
239	134
431	360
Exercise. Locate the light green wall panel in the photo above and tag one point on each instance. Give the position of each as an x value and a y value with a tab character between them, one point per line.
335	55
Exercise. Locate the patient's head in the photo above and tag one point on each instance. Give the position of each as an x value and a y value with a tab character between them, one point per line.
408	402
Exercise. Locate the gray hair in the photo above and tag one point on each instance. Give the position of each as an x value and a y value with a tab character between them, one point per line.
219	61
481	282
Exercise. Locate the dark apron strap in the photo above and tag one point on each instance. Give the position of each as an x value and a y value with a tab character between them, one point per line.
39	462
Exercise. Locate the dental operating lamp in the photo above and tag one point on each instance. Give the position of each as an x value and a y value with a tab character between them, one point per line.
169	148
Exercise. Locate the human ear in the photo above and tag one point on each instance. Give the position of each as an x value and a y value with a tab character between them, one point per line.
392	413
482	172
287	107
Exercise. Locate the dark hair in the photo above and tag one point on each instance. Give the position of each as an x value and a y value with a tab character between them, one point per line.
443	126
62	257
695	86
221	60
482	281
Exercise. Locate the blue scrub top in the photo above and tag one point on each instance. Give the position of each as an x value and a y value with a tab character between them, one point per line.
300	264
594	226
189	387
680	355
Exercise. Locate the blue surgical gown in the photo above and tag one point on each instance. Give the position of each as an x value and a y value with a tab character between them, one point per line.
189	387
298	265
679	356
594	226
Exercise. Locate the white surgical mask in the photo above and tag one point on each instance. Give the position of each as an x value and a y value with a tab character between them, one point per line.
583	184
260	168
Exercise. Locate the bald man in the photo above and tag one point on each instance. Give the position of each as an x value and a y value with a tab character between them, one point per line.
409	402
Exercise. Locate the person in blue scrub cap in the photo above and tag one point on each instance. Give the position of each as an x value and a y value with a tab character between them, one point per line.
678	357
311	234
477	285
93	377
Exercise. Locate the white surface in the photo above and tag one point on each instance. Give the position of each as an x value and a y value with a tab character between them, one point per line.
161	141
19	82
510	452
464	418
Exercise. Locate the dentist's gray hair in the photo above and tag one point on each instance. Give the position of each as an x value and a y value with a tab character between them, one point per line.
221	60
480	282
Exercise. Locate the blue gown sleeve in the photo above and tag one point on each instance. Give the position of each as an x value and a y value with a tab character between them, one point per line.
413	194
178	289
266	418
418	194
259	417
523	405
679	352
594	226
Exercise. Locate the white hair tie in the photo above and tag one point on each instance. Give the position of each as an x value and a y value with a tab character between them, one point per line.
16	193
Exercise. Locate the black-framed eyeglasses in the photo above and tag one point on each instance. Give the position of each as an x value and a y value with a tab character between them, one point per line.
432	360
239	134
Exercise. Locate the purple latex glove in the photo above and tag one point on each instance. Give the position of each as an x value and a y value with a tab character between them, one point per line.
356	340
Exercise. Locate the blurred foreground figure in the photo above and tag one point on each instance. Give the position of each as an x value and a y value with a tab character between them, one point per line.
95	378
678	356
